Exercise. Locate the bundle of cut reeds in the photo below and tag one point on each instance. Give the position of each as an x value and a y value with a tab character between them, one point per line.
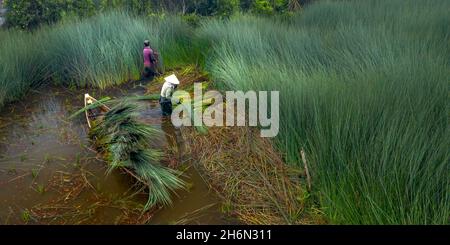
125	143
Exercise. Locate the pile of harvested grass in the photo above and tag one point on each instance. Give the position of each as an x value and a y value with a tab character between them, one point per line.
258	187
188	75
125	143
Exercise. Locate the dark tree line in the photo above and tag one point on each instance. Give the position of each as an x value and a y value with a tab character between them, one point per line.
29	14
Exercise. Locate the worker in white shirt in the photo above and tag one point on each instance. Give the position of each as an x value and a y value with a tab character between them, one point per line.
167	91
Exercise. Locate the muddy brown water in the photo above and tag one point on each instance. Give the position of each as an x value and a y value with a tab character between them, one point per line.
50	175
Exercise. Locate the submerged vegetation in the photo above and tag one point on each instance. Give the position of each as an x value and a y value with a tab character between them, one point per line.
363	92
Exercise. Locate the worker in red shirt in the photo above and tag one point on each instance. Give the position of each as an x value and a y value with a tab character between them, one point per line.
149	60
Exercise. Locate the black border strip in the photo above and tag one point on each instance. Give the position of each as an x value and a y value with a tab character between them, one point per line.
157	234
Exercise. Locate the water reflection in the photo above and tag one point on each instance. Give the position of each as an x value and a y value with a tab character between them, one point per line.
49	174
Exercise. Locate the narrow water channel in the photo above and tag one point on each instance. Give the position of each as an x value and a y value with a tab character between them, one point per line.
50	175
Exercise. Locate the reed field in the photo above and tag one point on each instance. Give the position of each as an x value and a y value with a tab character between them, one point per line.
101	51
20	65
363	90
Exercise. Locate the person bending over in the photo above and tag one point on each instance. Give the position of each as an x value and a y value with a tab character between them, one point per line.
170	85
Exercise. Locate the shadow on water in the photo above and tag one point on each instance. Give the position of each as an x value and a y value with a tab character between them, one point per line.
50	175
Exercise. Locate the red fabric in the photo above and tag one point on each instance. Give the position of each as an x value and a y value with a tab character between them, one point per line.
148	52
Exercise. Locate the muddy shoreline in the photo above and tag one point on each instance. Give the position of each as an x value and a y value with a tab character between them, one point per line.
50	175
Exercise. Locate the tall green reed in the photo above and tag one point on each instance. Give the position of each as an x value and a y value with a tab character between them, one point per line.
21	65
106	50
100	51
364	90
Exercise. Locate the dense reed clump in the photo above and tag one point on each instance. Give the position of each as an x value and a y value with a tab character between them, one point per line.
100	51
126	144
364	91
20	64
106	50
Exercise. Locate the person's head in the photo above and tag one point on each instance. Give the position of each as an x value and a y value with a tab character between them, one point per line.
146	43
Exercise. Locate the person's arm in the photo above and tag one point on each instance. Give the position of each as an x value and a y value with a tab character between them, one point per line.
163	90
152	57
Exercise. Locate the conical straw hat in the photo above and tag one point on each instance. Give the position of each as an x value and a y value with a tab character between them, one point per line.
172	79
